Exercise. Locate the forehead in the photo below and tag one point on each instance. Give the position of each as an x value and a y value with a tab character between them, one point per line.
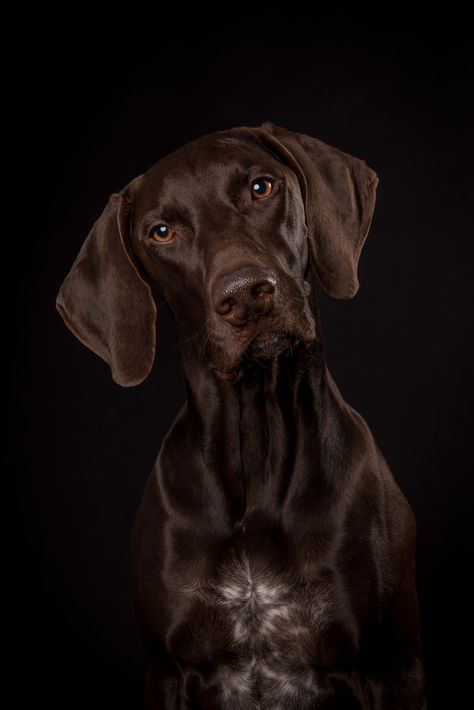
207	166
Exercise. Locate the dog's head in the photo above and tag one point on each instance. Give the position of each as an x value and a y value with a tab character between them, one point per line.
229	228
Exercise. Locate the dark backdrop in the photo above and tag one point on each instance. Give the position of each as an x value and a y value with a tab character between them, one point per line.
97	105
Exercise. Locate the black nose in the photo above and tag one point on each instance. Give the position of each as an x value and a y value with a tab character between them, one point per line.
244	294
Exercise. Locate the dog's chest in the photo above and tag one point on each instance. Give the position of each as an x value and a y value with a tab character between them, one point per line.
270	627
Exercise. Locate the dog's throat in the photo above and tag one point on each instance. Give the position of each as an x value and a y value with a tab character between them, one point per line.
268	435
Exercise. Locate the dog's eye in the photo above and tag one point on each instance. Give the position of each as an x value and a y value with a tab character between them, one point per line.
261	188
162	233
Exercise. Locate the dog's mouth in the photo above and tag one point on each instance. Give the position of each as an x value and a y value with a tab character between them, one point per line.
269	344
263	346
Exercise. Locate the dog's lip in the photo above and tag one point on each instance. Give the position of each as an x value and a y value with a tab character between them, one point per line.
264	344
264	336
268	337
229	375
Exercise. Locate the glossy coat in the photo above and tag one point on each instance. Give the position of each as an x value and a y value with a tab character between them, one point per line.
273	552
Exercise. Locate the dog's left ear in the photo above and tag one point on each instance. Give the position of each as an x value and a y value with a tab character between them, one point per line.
105	301
339	195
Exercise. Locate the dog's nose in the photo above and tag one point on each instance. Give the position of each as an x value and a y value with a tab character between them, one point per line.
244	294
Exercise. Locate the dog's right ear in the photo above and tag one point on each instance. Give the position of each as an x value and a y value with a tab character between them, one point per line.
105	301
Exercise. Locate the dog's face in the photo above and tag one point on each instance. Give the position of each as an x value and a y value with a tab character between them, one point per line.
220	226
229	228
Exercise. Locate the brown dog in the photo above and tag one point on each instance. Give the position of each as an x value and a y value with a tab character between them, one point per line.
273	551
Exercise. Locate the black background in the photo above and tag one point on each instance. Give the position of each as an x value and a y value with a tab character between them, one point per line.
98	104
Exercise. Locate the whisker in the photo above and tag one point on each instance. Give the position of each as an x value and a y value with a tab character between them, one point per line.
207	335
181	342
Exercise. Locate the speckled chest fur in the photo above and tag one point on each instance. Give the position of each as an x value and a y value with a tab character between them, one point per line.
271	655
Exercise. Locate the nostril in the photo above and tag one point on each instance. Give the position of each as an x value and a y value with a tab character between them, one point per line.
225	306
262	289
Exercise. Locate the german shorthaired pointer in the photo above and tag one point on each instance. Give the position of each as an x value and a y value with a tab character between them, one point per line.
273	553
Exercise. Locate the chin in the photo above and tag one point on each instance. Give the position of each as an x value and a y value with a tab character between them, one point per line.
268	345
264	346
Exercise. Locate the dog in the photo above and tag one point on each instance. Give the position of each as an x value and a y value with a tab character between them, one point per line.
273	552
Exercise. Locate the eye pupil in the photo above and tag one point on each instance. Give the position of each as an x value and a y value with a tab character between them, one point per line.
261	188
162	233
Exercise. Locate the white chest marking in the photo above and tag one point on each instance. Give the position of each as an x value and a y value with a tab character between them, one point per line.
272	628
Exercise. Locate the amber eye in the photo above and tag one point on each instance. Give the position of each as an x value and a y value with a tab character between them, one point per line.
261	188
162	233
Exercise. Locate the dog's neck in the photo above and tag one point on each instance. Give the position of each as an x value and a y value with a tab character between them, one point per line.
255	434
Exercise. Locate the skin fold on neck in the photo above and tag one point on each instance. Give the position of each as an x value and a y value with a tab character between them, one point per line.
275	441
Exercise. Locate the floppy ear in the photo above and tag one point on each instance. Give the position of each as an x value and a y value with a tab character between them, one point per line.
339	195
106	303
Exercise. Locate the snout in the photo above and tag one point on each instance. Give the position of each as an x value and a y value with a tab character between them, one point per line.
244	295
259	312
